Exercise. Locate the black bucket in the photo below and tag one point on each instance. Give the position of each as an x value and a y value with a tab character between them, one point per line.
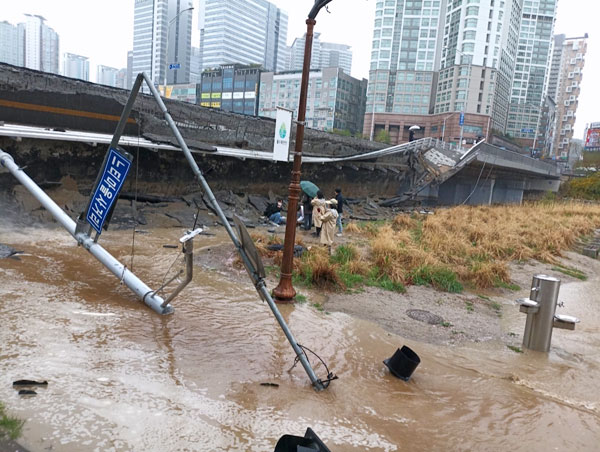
309	443
403	363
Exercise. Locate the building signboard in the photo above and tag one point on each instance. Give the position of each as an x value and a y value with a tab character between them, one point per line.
592	139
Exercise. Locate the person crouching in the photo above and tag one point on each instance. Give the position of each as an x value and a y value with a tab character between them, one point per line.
328	221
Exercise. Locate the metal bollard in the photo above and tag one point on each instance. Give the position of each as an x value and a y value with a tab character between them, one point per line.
540	308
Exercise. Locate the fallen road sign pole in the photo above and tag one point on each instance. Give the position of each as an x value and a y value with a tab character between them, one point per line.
255	275
143	292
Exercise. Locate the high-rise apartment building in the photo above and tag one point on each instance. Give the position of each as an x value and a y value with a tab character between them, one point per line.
121	79
11	44
106	75
567	89
129	74
555	63
40	44
478	58
405	56
323	54
242	31
335	100
162	40
195	65
405	60
532	69
76	66
336	55
295	53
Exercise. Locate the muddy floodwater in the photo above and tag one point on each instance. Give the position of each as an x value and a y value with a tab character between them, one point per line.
122	378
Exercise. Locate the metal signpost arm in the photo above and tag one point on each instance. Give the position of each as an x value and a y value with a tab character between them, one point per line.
127	110
257	280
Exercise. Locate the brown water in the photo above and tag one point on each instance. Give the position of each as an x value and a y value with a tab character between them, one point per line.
122	378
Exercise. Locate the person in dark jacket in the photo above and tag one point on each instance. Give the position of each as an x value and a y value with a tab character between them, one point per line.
307	212
273	213
340	208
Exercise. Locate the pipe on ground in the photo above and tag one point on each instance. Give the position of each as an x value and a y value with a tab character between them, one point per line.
137	286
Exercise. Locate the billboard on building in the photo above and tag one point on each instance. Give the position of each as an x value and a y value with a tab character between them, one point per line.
592	138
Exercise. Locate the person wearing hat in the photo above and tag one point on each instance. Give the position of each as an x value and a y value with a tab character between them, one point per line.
328	220
318	204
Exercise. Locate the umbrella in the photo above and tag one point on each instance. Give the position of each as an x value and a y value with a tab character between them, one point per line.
309	188
414	128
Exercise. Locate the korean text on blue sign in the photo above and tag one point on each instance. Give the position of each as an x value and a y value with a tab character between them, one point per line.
108	188
461	119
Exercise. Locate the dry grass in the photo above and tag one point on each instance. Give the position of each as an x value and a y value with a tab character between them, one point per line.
317	269
464	244
477	243
352	227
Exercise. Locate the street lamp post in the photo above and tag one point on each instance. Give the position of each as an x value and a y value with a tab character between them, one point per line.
171	22
466	100
444	125
285	292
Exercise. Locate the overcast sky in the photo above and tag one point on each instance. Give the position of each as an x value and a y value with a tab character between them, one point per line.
103	31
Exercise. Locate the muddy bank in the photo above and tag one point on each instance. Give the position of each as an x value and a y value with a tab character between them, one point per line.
426	315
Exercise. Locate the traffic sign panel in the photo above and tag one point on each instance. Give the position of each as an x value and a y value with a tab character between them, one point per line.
106	193
175	66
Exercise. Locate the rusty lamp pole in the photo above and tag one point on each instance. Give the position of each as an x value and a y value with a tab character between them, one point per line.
284	292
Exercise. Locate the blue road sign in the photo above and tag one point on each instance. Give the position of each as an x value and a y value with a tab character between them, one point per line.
526	130
461	119
106	193
175	66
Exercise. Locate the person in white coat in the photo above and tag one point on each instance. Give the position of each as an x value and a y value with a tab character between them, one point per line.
328	221
318	204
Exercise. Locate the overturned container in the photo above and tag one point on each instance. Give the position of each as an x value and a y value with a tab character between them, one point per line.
403	363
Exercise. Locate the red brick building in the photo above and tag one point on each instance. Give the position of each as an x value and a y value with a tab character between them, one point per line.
443	126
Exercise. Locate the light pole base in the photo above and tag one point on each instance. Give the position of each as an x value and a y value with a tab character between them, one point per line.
284	293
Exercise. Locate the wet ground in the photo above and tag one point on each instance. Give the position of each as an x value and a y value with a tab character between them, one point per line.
123	378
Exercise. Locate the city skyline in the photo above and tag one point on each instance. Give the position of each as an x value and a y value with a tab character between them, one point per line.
108	34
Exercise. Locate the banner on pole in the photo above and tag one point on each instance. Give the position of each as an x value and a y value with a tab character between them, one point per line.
283	130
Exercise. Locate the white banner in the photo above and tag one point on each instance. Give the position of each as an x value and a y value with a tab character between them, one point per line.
283	130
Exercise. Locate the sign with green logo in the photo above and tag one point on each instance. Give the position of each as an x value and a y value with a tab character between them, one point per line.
283	126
